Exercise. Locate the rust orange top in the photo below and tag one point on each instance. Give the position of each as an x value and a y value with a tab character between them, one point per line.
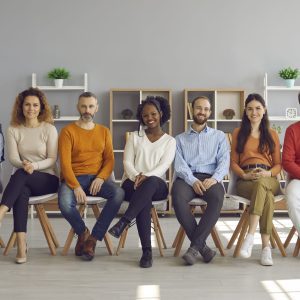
251	155
85	152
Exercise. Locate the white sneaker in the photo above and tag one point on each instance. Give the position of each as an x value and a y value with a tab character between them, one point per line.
247	246
266	257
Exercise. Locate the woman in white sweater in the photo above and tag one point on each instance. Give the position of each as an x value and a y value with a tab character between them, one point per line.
148	155
32	150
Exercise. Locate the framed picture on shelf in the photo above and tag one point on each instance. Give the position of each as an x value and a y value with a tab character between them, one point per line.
291	113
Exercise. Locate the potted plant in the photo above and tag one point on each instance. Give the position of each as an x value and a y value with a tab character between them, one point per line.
59	74
289	75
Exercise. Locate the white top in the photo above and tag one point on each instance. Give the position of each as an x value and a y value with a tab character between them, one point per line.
143	156
37	145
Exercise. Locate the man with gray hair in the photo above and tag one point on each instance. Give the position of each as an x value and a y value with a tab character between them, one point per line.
87	161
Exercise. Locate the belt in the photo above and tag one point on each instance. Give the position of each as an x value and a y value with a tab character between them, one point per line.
255	166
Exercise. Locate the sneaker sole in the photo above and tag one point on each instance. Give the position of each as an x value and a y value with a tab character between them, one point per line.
87	257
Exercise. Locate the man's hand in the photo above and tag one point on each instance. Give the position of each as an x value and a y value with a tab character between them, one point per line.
208	182
139	179
96	186
27	166
199	187
80	195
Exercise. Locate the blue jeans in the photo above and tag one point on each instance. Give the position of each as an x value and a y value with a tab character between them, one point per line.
67	204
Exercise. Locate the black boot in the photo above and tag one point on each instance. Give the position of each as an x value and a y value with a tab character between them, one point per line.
146	259
118	228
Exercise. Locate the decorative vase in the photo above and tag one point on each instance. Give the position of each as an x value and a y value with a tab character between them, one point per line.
58	83
290	82
56	112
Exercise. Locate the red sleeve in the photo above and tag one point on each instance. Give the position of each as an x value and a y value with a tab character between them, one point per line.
289	154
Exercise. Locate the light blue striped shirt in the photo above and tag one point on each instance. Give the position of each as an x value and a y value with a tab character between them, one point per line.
201	152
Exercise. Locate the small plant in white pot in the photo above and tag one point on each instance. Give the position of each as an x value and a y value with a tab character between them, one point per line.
59	74
289	75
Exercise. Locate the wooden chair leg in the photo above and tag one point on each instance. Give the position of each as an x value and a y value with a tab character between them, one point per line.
241	236
107	240
158	238
2	244
181	235
272	242
217	241
278	241
39	209
297	248
122	240
11	243
68	242
238	229
50	228
175	242
159	229
289	237
71	233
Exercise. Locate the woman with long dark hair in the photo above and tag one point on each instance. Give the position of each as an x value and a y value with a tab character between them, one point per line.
148	154
32	150
255	159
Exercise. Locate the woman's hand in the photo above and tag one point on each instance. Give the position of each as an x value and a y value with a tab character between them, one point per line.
256	174
27	166
139	179
264	173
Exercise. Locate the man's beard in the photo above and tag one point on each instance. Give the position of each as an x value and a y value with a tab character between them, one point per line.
199	122
86	117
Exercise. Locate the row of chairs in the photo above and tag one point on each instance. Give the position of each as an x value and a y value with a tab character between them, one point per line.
94	202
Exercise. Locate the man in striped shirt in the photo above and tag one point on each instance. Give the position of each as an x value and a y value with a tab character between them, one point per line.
201	162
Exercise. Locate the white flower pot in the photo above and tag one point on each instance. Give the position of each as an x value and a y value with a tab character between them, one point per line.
58	83
290	82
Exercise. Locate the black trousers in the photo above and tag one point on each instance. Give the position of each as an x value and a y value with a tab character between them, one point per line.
140	203
21	186
182	194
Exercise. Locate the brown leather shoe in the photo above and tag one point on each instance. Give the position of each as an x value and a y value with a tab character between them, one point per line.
89	246
80	241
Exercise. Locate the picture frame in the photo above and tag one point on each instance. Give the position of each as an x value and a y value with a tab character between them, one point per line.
291	113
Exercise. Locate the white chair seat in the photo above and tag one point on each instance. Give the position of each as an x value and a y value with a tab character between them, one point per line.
159	202
197	202
41	199
94	200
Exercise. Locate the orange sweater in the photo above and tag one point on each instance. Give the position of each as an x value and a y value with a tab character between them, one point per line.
85	152
251	155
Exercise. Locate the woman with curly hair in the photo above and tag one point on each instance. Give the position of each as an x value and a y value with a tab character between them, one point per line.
255	159
148	154
32	150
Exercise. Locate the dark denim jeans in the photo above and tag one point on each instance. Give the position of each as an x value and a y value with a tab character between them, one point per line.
67	204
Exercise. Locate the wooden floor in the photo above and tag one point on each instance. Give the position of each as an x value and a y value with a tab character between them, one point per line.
119	277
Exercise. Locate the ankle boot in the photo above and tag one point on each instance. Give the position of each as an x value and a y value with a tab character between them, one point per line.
146	259
89	246
118	228
80	241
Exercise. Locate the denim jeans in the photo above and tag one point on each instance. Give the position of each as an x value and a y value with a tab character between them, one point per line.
67	204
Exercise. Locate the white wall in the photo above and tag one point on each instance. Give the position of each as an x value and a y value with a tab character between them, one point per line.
146	43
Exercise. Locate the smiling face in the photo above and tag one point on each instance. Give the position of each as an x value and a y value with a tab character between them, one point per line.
201	111
31	107
151	116
255	111
87	107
